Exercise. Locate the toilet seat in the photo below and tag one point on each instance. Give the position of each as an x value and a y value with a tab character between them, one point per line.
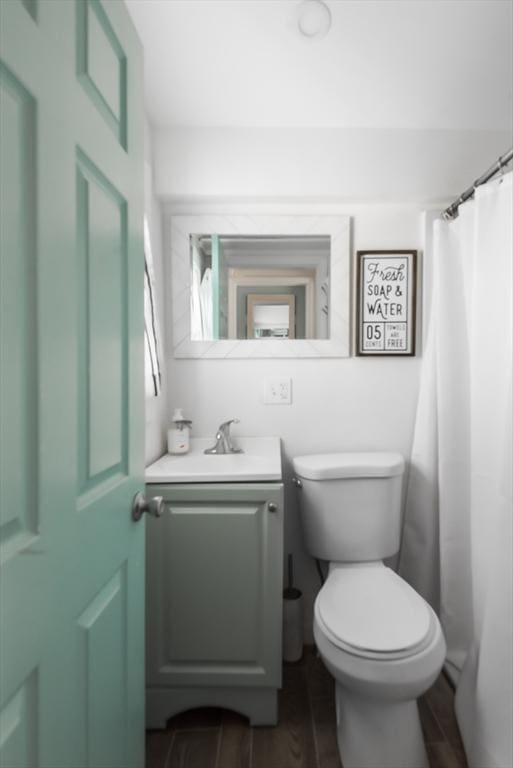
369	611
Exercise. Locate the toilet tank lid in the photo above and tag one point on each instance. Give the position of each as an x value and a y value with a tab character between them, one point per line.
330	466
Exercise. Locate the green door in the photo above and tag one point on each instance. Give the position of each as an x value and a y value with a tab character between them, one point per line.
71	396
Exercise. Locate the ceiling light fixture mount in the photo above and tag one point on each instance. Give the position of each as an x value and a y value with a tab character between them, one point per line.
313	19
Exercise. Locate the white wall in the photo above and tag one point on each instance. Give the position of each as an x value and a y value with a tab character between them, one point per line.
344	404
321	163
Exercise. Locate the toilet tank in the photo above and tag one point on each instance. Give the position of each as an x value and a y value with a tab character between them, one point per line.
350	504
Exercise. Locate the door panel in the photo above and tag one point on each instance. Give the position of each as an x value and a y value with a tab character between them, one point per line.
102	642
71	394
18	724
101	66
18	502
102	251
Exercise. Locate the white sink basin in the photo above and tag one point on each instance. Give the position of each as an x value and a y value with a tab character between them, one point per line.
261	460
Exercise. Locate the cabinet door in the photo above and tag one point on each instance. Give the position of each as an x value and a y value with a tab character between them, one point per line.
215	586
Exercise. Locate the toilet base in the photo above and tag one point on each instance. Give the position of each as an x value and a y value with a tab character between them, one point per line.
378	734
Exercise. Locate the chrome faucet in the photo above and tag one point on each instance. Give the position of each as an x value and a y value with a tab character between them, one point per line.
224	440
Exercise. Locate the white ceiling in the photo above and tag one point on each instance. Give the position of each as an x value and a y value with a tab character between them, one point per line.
402	64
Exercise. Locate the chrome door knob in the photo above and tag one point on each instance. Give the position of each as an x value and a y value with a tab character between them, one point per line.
141	505
272	507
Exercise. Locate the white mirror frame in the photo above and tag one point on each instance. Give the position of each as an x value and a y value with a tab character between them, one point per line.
337	227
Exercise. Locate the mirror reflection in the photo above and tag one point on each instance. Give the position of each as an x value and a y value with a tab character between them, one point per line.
259	286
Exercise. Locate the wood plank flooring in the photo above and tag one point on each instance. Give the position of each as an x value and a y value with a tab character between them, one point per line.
305	736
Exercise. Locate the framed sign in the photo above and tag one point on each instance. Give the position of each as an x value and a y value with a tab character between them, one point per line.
386	300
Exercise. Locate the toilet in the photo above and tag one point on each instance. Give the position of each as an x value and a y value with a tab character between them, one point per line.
378	638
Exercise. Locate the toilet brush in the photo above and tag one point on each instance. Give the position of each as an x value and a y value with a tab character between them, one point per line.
292	617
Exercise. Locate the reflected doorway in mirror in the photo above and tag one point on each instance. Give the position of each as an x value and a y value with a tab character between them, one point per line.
271	316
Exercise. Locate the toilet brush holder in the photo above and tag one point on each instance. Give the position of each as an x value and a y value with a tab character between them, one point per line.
292	620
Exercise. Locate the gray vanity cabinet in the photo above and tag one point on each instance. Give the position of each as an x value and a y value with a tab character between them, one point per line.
214	597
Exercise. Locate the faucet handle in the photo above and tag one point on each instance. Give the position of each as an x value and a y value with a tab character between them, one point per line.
225	426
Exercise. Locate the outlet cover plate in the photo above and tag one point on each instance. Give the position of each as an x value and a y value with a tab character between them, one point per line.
278	391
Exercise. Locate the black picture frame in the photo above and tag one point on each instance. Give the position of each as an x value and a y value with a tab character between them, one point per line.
386	302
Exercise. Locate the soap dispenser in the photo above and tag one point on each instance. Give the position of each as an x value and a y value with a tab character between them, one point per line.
178	435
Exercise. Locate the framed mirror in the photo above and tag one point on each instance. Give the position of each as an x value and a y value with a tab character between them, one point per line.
260	286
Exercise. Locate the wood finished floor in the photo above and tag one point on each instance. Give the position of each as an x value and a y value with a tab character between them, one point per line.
305	735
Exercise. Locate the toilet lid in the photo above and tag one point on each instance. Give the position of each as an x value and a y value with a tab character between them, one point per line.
372	609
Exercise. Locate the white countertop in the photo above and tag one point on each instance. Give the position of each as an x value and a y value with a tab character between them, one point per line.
260	461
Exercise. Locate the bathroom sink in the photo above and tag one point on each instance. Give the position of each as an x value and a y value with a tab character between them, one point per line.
260	461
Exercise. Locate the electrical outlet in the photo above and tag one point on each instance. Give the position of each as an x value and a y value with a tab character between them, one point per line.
277	391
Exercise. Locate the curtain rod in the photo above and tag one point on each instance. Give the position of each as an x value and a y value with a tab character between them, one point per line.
501	163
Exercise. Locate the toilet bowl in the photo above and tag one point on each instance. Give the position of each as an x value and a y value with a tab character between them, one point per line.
380	666
379	639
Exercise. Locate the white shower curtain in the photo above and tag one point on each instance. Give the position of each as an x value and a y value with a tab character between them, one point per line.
457	539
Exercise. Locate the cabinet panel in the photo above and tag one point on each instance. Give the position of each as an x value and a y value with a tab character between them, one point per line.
212	582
